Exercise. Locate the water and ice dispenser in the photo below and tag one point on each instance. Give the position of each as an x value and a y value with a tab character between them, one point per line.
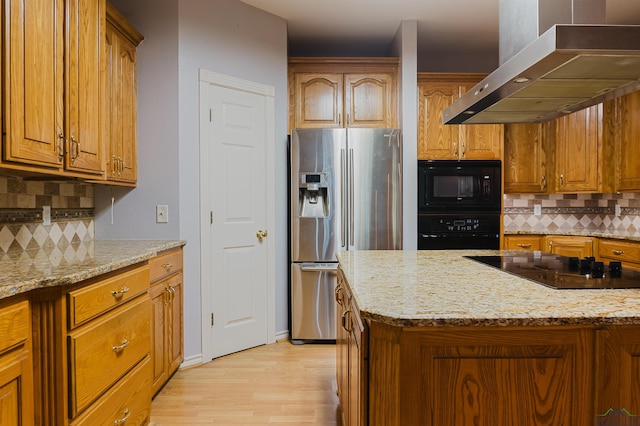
313	195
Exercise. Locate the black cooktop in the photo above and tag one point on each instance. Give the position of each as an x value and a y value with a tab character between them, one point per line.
562	272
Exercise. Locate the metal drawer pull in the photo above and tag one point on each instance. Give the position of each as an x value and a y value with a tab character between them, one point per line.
118	293
618	252
118	348
167	266
523	245
122	420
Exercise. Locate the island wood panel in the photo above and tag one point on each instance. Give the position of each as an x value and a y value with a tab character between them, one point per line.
617	372
385	381
493	376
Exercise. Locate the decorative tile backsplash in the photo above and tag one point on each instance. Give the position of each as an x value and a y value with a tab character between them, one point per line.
21	202
611	213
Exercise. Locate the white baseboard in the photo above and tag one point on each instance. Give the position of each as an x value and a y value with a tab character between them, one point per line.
282	335
192	361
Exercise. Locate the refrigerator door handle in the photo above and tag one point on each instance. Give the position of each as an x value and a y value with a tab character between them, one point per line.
351	200
343	201
312	267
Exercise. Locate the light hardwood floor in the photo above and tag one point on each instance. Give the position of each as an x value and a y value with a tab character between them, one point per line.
278	384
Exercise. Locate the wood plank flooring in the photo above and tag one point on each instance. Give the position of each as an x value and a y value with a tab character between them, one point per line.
278	384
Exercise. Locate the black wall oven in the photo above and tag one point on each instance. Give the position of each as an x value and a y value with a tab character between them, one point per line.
459	204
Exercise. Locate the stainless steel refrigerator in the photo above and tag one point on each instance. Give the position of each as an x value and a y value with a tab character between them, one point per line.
346	194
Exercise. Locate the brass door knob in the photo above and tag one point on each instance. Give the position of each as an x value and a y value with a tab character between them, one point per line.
261	234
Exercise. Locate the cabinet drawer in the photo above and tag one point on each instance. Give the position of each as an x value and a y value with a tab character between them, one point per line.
14	325
619	250
104	350
128	400
92	300
520	242
165	264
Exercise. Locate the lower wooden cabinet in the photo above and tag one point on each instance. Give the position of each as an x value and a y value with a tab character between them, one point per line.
523	242
627	252
352	359
16	364
93	341
570	246
166	316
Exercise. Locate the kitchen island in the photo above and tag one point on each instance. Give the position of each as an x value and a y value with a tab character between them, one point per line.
433	338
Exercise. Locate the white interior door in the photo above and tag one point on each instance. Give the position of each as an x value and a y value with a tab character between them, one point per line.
236	261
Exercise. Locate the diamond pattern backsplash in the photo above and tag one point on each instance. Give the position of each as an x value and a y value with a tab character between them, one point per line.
609	213
21	202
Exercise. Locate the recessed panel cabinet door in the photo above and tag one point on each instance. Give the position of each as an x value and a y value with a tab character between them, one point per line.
525	165
437	141
628	148
85	62
370	100
33	81
318	100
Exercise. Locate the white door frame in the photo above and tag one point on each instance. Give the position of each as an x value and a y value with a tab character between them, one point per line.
207	78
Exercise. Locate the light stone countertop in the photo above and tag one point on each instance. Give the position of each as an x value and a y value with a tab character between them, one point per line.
442	288
62	265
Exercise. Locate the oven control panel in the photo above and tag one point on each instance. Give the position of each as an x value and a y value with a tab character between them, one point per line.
445	224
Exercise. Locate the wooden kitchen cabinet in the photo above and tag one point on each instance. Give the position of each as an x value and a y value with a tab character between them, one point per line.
352	358
119	105
570	246
627	252
579	152
166	316
627	148
93	364
16	364
53	77
438	141
526	163
350	92
523	242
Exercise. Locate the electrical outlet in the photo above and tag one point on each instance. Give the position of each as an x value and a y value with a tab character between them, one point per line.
618	210
537	209
162	213
46	215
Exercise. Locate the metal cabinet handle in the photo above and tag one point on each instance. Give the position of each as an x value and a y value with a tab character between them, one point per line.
75	142
618	252
463	150
455	148
120	347
337	293
118	293
345	315
543	183
60	145
123	419
167	266
562	180
523	245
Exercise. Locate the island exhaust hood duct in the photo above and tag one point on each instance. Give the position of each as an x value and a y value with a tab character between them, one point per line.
567	68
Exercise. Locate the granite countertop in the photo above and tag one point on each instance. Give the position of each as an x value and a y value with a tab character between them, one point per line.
54	266
442	288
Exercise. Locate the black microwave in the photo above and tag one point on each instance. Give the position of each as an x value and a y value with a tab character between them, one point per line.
452	186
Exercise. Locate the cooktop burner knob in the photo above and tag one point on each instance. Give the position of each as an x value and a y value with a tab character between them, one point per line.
585	266
574	263
597	269
615	269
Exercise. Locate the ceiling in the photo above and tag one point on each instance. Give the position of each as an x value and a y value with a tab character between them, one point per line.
460	34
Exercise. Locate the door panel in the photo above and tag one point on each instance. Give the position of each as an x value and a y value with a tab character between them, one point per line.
238	188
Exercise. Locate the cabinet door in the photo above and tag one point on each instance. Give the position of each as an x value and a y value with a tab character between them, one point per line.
525	165
159	362
436	141
33	98
85	63
342	352
120	114
628	149
370	100
479	141
578	151
16	391
175	315
318	100
569	246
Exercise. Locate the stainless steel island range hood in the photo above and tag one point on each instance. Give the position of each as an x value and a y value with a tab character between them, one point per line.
566	69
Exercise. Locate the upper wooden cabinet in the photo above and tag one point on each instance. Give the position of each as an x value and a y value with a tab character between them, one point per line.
626	117
525	158
579	154
438	141
119	105
334	92
53	82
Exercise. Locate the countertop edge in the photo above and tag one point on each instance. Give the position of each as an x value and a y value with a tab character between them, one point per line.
574	233
151	249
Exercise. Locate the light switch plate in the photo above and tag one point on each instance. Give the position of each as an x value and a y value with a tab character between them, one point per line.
46	215
537	209
162	213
